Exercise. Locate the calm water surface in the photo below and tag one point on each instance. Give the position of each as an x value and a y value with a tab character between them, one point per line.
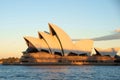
59	72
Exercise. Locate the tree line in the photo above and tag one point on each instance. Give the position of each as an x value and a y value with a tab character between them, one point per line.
9	60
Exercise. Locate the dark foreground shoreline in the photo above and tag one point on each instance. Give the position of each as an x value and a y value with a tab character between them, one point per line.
63	64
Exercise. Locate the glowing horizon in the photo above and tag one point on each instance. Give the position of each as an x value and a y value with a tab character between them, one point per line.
79	19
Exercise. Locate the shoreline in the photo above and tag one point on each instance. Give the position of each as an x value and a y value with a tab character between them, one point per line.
63	64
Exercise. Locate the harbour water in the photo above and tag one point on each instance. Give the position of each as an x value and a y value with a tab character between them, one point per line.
8	72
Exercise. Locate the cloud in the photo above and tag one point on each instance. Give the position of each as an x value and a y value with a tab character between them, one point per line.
113	36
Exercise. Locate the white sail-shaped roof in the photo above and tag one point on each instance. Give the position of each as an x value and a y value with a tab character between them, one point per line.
64	40
37	43
84	46
52	41
108	51
58	42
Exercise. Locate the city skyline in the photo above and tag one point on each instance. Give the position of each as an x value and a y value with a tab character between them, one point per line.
99	20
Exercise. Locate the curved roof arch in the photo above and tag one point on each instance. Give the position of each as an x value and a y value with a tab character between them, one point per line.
51	41
42	37
37	43
108	51
84	46
64	40
29	44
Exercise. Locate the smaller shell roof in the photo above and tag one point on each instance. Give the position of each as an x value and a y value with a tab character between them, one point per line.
108	51
51	41
37	43
85	45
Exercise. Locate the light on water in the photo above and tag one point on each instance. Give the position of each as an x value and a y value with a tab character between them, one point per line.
59	72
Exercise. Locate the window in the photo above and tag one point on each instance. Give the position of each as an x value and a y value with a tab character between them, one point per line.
43	50
72	54
83	54
31	50
58	53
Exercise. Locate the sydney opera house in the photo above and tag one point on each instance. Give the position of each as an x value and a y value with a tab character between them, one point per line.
56	47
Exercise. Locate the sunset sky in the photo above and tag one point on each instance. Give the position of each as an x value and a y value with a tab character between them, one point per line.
80	19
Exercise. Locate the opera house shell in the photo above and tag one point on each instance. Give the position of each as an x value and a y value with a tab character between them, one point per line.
56	47
108	52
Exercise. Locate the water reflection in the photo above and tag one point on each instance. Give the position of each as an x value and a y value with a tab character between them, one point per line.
59	73
63	72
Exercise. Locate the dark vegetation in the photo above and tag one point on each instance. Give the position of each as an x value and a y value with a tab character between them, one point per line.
9	60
